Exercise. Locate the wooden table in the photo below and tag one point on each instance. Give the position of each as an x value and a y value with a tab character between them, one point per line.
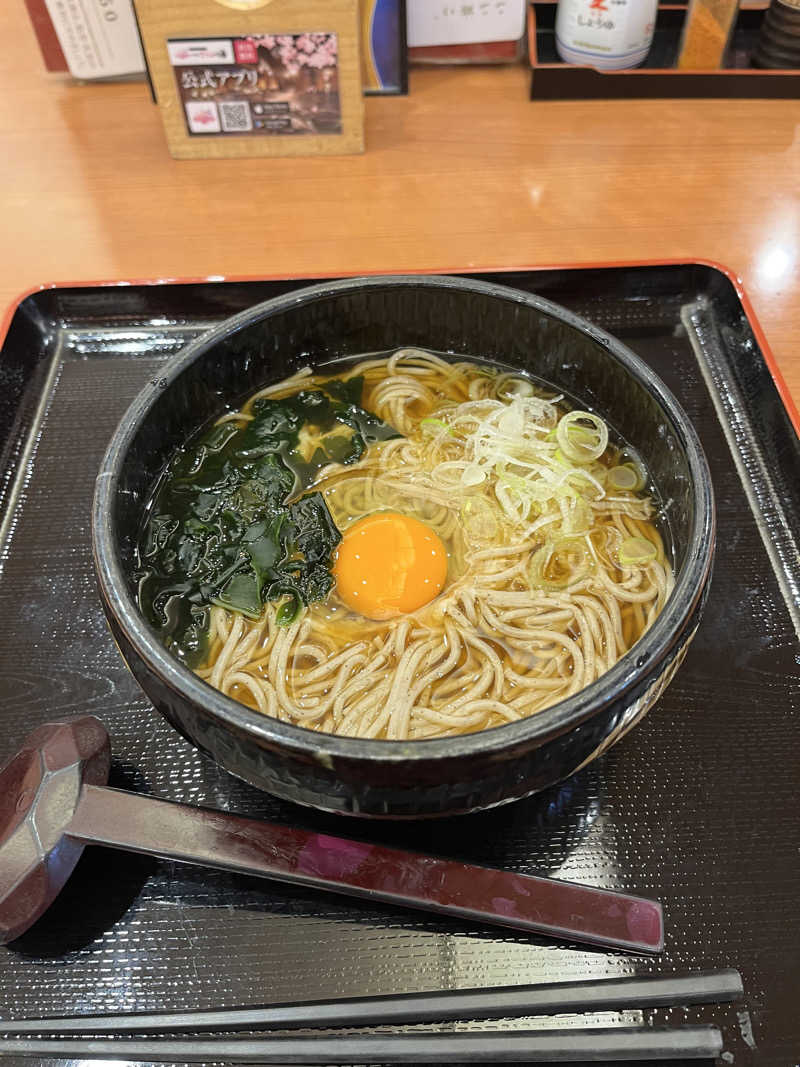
464	173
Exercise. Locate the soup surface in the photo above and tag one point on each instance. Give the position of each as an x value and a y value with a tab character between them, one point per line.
412	548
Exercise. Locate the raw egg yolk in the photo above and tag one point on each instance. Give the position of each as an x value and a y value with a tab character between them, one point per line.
388	565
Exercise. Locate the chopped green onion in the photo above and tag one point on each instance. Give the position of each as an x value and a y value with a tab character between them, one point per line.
632	459
579	475
624	477
513	481
510	385
431	424
636	552
473	475
447	475
582	436
512	421
517	444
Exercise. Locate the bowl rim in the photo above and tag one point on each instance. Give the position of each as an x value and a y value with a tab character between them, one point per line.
630	669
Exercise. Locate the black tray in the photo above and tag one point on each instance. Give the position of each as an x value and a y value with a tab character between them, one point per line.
697	806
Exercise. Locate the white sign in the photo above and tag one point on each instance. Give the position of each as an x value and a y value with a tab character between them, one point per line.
99	38
187	53
435	22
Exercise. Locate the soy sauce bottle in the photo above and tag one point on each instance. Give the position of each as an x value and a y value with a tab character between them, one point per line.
607	34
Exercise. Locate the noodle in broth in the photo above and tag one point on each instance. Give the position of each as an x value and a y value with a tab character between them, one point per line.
555	568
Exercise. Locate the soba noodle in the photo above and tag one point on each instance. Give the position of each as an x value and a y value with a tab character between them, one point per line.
555	567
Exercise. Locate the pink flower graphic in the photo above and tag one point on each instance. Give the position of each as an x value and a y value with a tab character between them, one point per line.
316	50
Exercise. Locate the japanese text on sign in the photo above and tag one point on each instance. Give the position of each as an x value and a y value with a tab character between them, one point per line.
437	22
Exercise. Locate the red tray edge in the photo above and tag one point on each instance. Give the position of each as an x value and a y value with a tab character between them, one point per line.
732	277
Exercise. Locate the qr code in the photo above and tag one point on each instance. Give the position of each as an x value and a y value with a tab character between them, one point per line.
235	116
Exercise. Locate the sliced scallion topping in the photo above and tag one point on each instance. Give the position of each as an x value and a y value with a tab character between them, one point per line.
582	436
473	474
632	459
624	477
636	552
509	385
432	425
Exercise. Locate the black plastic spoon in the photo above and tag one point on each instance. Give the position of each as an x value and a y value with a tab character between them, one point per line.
53	802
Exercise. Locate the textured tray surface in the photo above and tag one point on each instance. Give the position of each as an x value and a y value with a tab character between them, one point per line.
696	806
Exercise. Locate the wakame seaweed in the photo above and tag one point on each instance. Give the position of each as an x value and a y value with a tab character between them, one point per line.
229	525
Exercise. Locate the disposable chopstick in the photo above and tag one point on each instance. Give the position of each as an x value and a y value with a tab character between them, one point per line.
702	987
562	1046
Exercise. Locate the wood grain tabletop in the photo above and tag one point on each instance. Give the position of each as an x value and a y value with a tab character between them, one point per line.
464	173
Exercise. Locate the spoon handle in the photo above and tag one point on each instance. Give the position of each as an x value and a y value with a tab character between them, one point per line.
217	839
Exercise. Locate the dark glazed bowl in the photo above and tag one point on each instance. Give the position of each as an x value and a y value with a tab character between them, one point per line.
395	778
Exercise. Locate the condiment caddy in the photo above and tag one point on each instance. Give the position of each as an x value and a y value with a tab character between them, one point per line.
659	75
